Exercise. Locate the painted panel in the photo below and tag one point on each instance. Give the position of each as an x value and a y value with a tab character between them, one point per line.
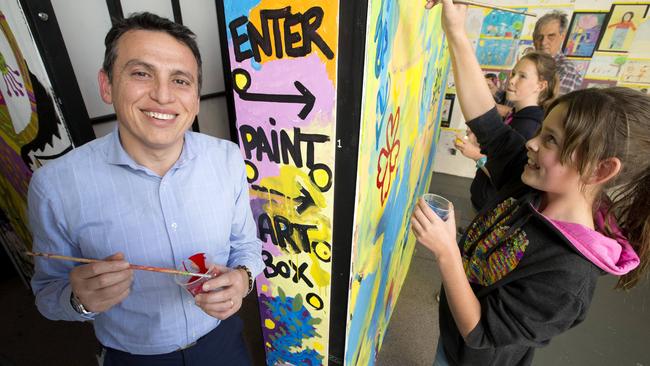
405	77
283	57
31	131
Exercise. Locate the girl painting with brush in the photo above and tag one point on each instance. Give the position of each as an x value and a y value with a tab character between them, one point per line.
573	204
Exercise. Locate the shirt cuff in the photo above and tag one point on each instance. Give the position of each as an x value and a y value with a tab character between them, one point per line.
64	302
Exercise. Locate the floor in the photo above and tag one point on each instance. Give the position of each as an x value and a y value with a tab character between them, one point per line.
616	332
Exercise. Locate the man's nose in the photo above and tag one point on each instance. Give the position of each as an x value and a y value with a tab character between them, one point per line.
161	92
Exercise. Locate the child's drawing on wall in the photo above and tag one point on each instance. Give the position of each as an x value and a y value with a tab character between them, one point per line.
583	34
622	26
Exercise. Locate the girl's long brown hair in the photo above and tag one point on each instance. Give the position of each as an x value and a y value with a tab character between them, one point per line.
547	71
614	122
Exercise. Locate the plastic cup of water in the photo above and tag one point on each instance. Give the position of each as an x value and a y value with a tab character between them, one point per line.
197	263
439	204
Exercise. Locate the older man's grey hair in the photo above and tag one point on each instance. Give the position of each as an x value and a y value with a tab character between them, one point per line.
561	17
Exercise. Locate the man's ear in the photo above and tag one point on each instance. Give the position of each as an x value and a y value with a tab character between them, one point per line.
605	171
105	87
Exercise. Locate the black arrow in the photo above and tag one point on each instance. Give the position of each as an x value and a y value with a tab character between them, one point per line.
305	97
305	199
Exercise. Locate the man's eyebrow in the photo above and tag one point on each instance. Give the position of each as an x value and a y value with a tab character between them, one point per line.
184	73
137	62
150	67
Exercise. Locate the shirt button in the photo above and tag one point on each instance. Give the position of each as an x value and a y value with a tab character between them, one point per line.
174	226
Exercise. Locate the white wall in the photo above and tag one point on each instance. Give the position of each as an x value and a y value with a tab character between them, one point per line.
84	25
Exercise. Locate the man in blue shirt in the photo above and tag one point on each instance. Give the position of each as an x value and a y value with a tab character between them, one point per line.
150	193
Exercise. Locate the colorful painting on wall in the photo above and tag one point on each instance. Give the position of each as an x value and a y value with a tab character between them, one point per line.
30	134
523	48
606	66
284	81
502	24
447	109
636	71
621	27
406	66
496	53
584	33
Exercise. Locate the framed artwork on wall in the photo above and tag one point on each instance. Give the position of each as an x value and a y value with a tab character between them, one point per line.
623	22
447	108
584	33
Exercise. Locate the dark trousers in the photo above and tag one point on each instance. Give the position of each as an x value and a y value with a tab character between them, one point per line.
224	345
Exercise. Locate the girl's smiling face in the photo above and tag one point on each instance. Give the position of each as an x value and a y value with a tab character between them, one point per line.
545	171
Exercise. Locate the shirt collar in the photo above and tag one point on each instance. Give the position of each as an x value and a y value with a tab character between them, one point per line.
115	153
559	56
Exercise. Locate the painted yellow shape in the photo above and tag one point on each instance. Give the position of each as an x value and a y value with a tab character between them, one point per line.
250	172
241	80
269	323
315	302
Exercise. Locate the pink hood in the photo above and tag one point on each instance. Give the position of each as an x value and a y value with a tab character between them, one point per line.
612	255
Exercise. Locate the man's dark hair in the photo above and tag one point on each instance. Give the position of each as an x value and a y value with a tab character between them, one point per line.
150	22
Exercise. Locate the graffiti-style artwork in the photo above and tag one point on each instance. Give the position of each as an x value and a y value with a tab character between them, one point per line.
636	72
621	27
406	62
283	57
583	35
30	134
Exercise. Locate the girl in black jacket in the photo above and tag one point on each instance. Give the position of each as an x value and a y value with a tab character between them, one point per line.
526	269
532	84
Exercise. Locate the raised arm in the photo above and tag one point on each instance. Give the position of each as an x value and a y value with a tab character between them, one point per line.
472	91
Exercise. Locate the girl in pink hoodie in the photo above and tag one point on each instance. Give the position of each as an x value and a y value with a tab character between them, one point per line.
526	269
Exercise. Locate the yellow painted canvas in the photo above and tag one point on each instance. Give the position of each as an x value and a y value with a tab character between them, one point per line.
406	62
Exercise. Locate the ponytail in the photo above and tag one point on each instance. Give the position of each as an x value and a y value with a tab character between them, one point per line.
631	208
606	123
547	71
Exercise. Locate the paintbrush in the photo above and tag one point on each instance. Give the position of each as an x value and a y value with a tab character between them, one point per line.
132	266
431	3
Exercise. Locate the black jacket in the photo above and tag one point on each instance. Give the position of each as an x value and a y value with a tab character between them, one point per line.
526	122
531	282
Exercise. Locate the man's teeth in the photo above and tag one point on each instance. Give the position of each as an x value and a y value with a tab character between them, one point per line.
157	115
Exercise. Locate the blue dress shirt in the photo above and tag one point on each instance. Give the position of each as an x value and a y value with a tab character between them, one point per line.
96	201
